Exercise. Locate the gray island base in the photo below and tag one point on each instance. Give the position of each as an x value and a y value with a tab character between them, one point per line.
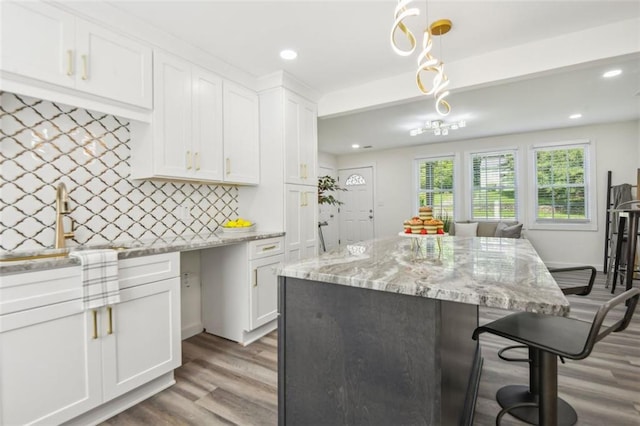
382	335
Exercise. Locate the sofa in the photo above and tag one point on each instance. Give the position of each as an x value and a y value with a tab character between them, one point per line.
485	228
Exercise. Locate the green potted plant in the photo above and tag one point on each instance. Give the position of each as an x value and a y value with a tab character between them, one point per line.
326	185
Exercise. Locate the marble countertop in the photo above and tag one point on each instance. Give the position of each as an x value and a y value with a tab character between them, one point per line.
495	272
126	249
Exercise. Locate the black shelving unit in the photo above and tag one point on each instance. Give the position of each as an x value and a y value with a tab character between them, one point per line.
613	231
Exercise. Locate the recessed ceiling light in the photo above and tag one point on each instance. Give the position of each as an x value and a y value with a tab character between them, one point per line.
355	146
612	73
288	54
575	116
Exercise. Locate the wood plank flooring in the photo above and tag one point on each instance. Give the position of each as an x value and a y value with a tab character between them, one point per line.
223	383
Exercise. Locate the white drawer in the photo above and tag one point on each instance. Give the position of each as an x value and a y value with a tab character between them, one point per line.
148	269
30	290
264	248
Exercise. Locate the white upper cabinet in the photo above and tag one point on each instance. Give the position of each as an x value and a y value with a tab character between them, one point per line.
241	135
204	128
172	152
207	124
38	41
44	43
300	140
112	66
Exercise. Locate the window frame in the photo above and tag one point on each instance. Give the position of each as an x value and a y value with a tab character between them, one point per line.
456	188
517	184
590	224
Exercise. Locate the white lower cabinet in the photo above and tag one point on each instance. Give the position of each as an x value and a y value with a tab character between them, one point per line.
145	337
59	361
240	289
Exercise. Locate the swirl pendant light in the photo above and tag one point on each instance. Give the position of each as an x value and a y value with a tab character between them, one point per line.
401	12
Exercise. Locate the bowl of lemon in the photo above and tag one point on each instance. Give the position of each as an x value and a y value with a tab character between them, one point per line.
237	226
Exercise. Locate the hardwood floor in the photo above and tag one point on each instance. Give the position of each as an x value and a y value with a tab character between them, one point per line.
223	383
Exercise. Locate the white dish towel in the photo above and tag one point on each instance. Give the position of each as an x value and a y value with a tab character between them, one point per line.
99	277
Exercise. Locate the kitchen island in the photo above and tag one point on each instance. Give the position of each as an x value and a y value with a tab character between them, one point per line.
379	332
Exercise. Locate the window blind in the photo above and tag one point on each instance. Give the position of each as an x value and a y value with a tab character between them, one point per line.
436	185
494	193
561	184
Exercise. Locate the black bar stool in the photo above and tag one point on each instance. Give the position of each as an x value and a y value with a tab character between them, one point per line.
517	394
548	337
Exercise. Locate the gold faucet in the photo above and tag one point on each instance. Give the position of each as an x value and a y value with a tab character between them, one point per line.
62	208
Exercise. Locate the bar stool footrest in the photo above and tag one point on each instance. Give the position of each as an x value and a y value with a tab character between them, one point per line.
508	348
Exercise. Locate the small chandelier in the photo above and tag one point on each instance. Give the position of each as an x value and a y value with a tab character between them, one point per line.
438	127
427	63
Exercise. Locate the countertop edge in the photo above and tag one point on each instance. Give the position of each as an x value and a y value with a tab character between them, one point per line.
138	249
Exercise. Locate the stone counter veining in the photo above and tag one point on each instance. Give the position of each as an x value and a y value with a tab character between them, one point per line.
128	249
494	272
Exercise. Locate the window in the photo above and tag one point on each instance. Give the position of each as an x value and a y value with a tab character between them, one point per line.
494	192
435	185
562	192
355	180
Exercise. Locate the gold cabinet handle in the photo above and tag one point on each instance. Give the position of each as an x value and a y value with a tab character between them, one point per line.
228	166
69	62
269	248
196	157
95	324
84	67
301	171
110	325
255	277
305	172
188	160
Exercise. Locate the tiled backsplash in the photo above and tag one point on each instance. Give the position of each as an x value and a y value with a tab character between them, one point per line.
44	143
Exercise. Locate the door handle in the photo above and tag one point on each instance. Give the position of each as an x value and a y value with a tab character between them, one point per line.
197	160
188	160
255	277
228	166
370	217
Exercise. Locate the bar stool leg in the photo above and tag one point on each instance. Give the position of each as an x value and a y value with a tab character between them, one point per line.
541	387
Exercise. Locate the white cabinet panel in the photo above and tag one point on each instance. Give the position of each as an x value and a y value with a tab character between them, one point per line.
300	140
144	342
207	125
301	222
38	41
241	135
264	290
171	118
113	66
46	345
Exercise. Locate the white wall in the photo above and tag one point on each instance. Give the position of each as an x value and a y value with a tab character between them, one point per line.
617	149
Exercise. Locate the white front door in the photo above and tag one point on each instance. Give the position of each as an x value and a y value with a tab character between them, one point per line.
328	214
356	212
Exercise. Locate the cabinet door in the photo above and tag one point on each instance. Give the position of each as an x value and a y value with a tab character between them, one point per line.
241	135
173	156
263	298
293	223
141	336
38	42
309	218
309	142
207	124
300	140
113	66
49	365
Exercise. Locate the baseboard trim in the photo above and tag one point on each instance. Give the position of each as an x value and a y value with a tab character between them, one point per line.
121	403
191	330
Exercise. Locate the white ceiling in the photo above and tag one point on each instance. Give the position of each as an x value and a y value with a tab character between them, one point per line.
344	43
